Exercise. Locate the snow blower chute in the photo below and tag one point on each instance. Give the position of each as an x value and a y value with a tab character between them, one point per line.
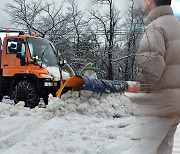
80	82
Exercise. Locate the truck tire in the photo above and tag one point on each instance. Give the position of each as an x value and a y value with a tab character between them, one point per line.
25	91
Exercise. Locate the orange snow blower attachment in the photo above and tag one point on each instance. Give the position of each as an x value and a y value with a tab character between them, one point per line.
73	82
100	86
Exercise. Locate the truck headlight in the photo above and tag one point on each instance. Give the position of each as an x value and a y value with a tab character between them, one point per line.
44	75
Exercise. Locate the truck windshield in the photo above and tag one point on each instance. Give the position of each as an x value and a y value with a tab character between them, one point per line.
43	49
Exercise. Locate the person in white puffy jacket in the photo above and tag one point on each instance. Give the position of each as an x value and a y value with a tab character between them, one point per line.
158	63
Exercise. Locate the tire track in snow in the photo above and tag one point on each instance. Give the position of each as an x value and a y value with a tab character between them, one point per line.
21	128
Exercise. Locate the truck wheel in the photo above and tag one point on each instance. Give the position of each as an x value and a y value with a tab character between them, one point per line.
25	91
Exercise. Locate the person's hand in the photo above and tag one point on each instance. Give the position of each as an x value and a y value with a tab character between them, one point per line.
133	87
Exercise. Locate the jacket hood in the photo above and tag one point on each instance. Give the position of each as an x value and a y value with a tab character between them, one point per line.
157	12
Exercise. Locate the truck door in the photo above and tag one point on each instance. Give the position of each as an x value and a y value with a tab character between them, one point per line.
14	57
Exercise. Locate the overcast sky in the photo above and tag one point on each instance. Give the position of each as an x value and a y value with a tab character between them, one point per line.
4	19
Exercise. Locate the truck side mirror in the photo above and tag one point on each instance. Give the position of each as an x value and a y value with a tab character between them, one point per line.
62	63
34	59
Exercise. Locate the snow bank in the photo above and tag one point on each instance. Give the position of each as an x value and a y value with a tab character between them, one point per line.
79	123
84	102
89	103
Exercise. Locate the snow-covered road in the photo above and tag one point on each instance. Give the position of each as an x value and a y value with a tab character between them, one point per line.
59	135
83	124
15	130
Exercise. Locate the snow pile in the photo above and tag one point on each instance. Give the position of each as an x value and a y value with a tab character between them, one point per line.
89	103
84	102
79	123
11	109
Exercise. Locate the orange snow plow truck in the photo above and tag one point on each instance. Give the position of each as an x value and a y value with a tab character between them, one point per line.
30	69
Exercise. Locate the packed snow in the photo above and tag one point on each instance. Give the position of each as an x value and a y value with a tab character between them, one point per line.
78	123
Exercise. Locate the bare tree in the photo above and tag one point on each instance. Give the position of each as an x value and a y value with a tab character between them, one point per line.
77	20
133	28
77	25
108	23
22	13
35	16
83	42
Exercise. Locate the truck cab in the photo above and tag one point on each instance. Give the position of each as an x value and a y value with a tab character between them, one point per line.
29	69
